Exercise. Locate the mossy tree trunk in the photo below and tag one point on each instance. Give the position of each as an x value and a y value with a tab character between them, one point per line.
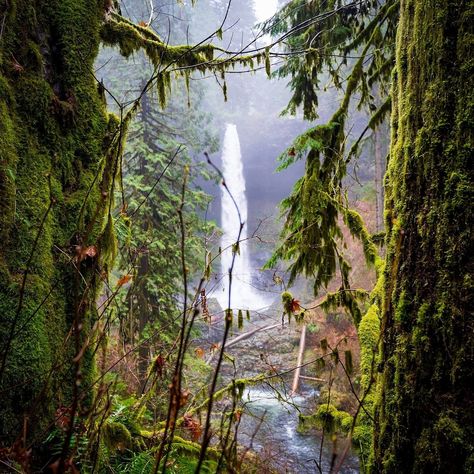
56	173
425	413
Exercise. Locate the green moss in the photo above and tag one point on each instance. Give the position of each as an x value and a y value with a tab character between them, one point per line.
116	436
368	332
328	418
357	229
53	127
423	415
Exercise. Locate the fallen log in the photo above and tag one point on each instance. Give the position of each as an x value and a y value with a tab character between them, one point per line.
246	335
299	362
242	337
313	379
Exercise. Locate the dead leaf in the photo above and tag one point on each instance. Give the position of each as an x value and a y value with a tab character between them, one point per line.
123	280
63	418
193	426
295	306
90	251
85	252
159	365
16	66
184	397
199	351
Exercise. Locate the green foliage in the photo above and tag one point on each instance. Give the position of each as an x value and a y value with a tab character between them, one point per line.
326	29
60	164
140	463
160	150
313	328
312	232
328	418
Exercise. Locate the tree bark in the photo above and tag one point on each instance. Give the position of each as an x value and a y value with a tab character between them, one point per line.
425	416
143	270
56	173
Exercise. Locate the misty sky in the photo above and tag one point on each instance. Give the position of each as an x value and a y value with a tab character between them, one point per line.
264	9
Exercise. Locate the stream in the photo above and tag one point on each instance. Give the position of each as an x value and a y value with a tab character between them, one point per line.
277	439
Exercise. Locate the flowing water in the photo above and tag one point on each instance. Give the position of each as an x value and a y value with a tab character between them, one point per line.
270	427
234	211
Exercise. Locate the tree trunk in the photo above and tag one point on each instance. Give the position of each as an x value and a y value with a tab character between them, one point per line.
55	180
143	320
143	267
424	417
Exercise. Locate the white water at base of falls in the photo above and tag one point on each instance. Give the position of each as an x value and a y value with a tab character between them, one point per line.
243	294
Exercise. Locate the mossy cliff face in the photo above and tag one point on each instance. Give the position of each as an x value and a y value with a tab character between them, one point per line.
424	412
56	170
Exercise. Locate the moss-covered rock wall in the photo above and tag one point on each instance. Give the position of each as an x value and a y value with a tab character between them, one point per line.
56	170
424	414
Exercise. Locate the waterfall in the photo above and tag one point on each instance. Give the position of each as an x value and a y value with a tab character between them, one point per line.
243	294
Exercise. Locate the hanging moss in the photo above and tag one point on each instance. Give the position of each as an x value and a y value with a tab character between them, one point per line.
240	319
267	62
356	226
132	38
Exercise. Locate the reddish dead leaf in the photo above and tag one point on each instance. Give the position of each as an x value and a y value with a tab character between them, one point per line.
68	467
85	252
63	418
295	306
199	352
291	152
237	415
214	347
16	66
122	280
159	365
123	209
143	23
90	251
193	427
54	467
18	453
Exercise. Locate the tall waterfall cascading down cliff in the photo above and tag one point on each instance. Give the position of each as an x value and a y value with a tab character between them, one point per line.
243	295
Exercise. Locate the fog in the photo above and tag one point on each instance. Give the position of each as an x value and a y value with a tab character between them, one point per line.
254	104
